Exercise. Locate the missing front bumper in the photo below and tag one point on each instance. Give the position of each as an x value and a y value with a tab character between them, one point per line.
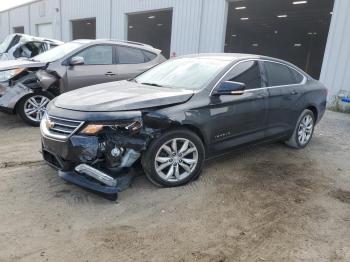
88	177
109	192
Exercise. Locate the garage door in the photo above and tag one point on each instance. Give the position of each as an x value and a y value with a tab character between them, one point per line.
45	30
153	28
84	29
295	31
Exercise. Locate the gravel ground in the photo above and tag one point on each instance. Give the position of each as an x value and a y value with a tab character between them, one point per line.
267	203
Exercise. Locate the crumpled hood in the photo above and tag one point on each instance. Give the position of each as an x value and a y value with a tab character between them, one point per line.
120	96
19	63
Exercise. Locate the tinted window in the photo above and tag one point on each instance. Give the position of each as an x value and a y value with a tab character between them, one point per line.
149	56
97	55
297	76
278	74
246	72
128	55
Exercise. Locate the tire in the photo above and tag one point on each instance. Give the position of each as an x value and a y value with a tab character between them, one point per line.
32	102
296	140
186	164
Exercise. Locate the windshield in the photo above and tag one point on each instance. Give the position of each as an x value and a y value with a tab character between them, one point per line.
4	45
57	52
183	73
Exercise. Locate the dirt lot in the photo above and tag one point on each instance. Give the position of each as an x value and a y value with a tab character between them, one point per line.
268	203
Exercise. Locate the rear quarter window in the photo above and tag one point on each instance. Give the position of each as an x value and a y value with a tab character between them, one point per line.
129	55
149	56
298	77
279	74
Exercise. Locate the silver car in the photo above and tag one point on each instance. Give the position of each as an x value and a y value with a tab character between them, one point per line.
27	86
25	46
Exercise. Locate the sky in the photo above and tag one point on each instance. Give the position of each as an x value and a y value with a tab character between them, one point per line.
6	4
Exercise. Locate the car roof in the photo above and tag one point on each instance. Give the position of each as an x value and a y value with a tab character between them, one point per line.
37	38
120	42
233	57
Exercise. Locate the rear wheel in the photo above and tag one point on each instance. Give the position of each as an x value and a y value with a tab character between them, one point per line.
303	131
174	159
32	107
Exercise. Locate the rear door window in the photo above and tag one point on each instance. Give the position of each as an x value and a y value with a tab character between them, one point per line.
247	72
278	74
129	55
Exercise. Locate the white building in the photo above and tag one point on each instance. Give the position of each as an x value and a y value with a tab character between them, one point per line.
314	34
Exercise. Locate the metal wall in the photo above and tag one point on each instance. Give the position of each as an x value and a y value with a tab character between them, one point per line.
335	72
189	26
44	12
197	26
20	17
213	26
79	9
29	16
4	25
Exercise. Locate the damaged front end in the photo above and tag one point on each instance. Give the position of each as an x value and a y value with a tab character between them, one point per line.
16	82
96	156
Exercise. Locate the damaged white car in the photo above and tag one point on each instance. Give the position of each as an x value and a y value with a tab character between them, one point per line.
25	46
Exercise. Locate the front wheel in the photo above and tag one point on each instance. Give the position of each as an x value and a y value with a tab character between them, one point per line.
303	131
174	159
32	107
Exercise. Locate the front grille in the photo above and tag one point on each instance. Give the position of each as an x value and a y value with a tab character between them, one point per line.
59	127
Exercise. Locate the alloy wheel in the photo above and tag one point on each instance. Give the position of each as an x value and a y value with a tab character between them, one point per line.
35	107
305	129
176	159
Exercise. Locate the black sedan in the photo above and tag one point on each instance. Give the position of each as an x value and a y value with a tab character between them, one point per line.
176	115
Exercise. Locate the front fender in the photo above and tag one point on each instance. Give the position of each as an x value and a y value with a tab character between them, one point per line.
46	80
10	95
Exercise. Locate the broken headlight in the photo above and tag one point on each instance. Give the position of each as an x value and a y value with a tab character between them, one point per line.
8	74
93	129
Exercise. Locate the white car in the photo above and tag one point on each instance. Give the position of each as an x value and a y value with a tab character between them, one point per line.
25	46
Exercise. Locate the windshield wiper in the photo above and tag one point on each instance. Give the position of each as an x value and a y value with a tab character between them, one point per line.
151	84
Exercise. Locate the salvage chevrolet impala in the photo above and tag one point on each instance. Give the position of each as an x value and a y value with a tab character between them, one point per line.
176	115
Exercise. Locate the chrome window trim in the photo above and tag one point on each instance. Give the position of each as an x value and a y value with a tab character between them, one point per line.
292	68
265	87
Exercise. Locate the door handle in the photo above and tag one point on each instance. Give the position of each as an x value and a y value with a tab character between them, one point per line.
110	74
294	92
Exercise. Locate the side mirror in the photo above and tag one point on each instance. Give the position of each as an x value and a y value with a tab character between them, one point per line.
76	60
230	88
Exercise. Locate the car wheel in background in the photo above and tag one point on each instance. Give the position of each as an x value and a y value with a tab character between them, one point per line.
174	159
303	131
31	108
